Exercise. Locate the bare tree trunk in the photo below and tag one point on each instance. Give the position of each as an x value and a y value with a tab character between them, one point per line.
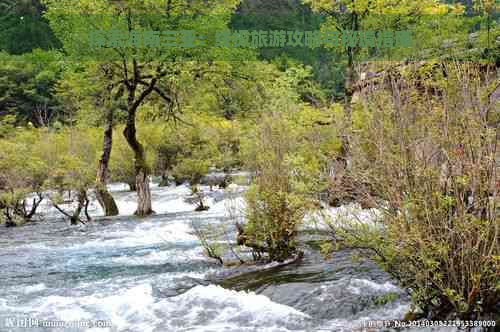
34	206
143	192
141	169
105	199
83	202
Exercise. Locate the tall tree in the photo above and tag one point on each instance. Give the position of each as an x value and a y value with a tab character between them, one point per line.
105	199
88	102
138	73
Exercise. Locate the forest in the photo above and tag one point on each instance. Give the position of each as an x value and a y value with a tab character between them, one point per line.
242	158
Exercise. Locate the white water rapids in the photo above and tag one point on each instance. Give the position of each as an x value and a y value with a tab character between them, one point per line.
150	275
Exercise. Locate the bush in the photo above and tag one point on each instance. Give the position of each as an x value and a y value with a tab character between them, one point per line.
22	172
429	152
287	174
71	156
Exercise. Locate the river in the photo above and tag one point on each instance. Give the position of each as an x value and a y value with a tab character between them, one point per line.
151	274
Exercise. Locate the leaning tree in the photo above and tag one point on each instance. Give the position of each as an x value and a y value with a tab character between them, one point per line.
138	73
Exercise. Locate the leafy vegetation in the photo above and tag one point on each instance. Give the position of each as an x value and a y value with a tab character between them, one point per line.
417	140
427	156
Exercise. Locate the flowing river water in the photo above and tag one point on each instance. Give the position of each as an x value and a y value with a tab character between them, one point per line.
151	275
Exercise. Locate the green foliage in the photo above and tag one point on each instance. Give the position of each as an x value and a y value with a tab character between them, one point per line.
423	148
192	169
7	125
71	159
83	95
27	87
19	151
431	161
230	89
187	149
105	14
23	28
38	160
195	153
284	156
22	169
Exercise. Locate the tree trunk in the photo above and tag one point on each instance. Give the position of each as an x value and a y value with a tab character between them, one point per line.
141	169
133	103
131	184
34	207
82	205
143	193
83	202
105	199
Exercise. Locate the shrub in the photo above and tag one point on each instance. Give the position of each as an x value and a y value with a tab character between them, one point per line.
286	177
429	152
71	157
22	172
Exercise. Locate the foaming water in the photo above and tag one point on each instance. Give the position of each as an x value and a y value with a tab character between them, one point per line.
151	275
